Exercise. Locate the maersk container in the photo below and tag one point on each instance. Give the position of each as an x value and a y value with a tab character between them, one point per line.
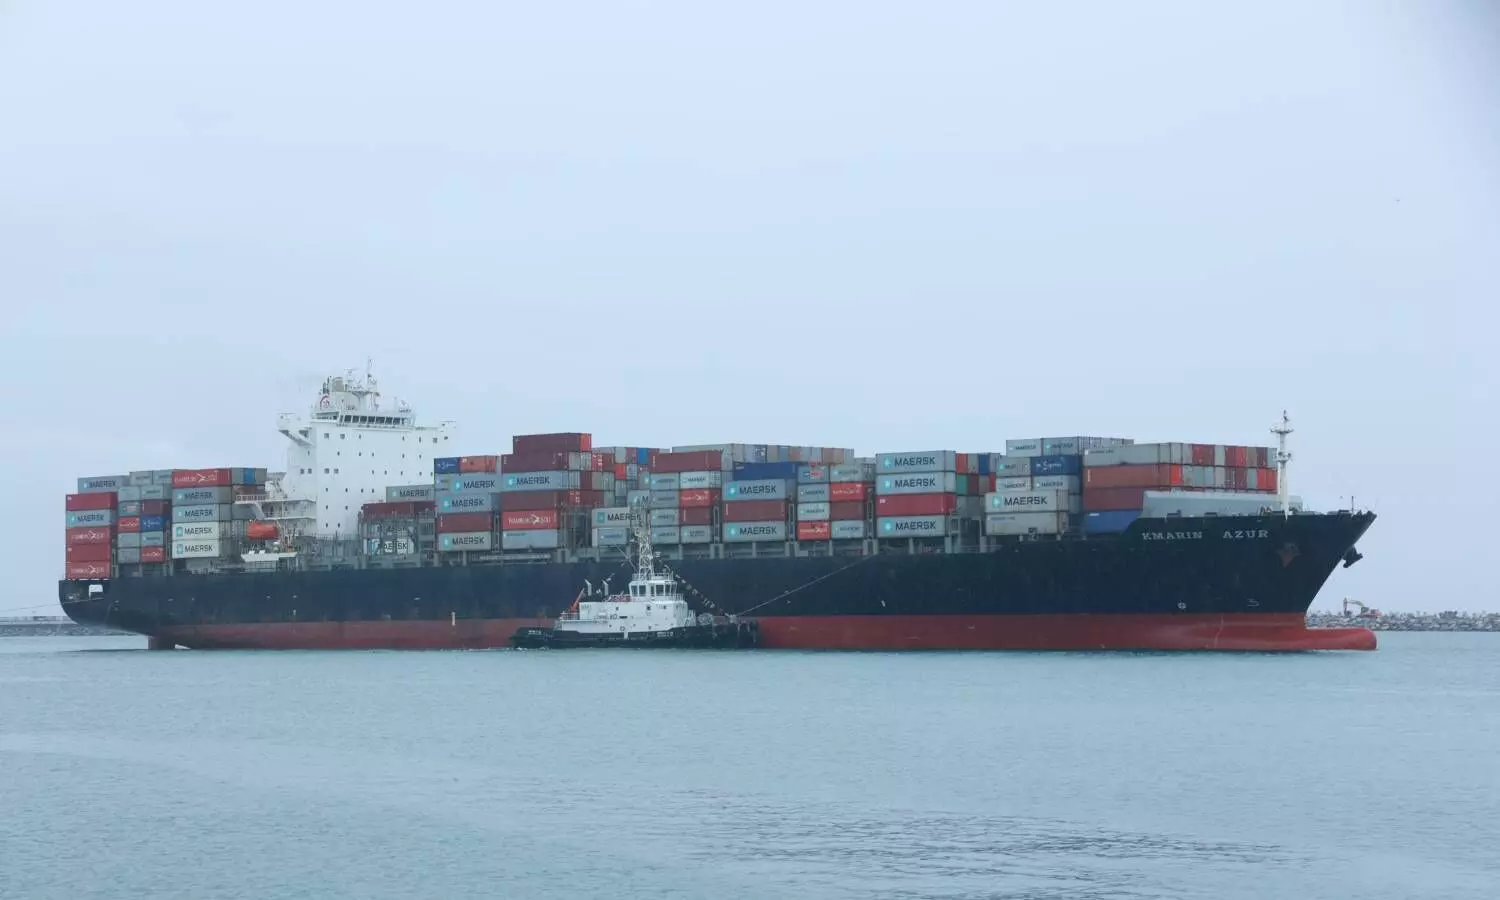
1018	483
129	508
918	461
612	517
613	536
483	483
401	492
200	531
207	512
665	534
128	539
1010	466
814	493
128	556
445	465
1055	465
1109	522
140	479
851	472
743	532
102	484
663	499
812	512
664	518
156	492
764	489
766	471
813	473
692	481
915	526
469	540
162	478
637	496
697	534
850	530
197	549
1068	484
996	524
918	483
88	518
128	494
1026	501
531	540
670	481
198	496
153	539
1061	446
466	501
542	481
1023	447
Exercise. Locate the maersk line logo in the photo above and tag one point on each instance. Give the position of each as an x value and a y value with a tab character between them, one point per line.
754	530
919	481
524	480
907	462
470	540
918	525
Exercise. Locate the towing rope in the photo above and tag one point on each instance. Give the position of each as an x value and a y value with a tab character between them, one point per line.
860	561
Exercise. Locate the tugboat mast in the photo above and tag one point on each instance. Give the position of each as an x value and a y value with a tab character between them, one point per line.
645	565
1281	430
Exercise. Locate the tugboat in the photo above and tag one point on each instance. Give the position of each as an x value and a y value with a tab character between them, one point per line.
651	613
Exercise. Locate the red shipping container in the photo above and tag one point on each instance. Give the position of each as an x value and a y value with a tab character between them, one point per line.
840	491
564	442
697	497
153	507
529	520
915	504
261	531
1201	454
456	523
1132	476
80	502
1268	480
814	531
97	534
518	500
1234	456
128	525
603	462
476	465
1234	479
847	511
695	515
78	570
535	461
201	478
698	461
961	463
620	471
153	554
755	511
1114	498
89	553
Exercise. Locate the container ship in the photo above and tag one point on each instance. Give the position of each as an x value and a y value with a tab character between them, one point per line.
377	534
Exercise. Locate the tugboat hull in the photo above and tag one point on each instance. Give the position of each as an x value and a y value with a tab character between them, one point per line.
719	635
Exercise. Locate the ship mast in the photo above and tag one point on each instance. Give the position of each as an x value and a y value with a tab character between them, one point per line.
1281	430
645	566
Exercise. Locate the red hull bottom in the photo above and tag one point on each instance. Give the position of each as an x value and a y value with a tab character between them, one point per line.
1059	632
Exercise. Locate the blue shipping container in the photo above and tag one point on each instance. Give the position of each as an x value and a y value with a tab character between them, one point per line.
1056	465
984	464
1108	522
445	465
153	523
248	476
643	456
760	471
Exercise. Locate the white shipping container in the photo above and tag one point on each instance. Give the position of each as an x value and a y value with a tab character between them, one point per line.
697	534
670	481
1023	447
1025	523
918	461
663	518
813	493
1061	446
197	549
847	531
1160	504
760	489
613	516
458	541
851	472
666	535
613	536
742	532
812	512
531	540
1017	483
917	483
541	481
1068	484
914	526
692	481
200	531
1026	501
210	512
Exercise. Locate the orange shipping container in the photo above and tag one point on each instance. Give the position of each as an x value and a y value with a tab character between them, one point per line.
478	464
814	531
1162	475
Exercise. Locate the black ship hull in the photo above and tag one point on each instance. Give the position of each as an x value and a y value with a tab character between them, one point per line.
1242	583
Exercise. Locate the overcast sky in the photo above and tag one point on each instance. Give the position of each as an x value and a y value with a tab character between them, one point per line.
877	225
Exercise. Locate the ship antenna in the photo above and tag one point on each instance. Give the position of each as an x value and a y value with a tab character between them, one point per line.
1281	430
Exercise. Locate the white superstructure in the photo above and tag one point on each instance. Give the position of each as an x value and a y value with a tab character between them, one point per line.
652	602
345	452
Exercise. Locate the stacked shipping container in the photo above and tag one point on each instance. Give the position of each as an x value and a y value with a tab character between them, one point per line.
917	493
1116	479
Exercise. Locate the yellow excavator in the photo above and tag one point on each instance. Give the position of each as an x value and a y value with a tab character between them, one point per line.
1365	612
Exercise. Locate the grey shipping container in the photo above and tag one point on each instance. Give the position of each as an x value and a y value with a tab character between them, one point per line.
1068	484
813	473
662	518
996	524
1023	447
128	492
128	539
466	501
812	512
697	534
197	496
1016	483
668	534
1010	466
129	508
813	493
153	539
484	484
914	526
612	517
612	536
157	492
531	540
743	532
86	518
666	482
541	481
1026	501
400	492
128	556
663	499
162	478
918	461
140	479
444	482
208	512
467	540
688	481
102	484
917	483
761	489
637	495
200	531
847	472
847	530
